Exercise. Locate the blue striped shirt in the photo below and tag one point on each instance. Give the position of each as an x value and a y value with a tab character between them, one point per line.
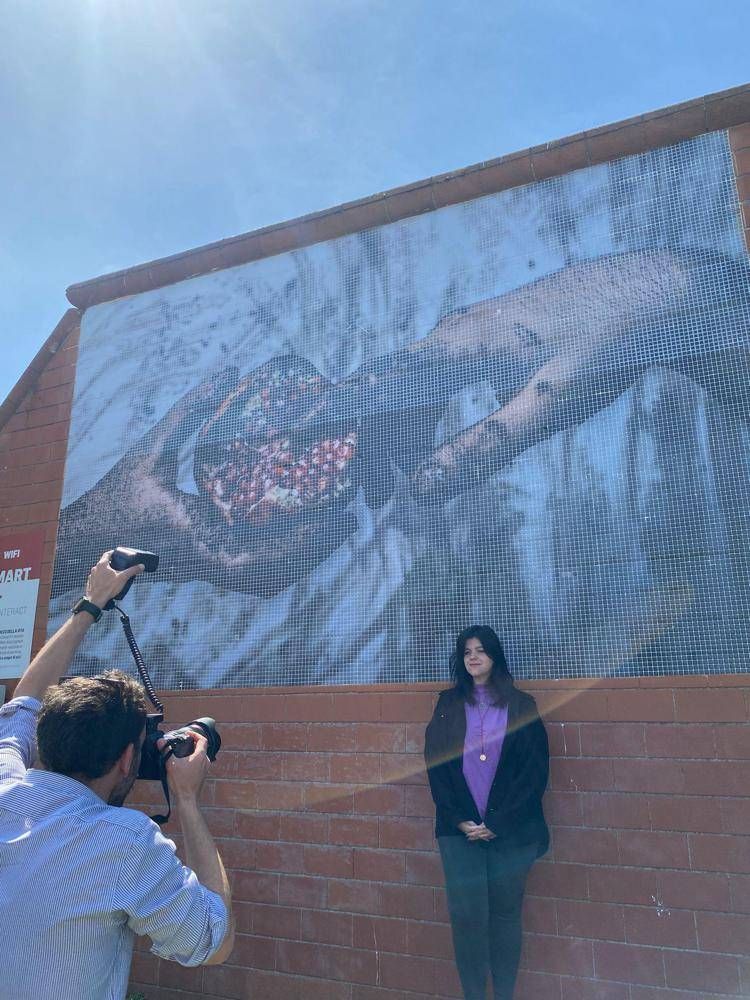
79	879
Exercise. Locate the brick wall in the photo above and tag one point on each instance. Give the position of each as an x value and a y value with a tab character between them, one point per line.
321	808
320	804
33	445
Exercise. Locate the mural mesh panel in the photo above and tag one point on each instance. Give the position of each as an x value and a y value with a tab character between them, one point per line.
529	410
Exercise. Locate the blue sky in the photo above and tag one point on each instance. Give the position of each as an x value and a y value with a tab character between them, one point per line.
132	130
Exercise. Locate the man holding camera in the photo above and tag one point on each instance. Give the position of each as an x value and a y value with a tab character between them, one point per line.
79	877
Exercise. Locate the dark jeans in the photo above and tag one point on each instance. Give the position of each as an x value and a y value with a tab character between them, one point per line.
485	886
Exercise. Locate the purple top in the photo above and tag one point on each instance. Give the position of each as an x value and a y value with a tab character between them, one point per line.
486	725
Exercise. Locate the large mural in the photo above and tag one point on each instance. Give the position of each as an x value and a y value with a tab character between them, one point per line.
530	410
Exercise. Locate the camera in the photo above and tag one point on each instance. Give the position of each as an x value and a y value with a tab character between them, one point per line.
123	558
178	742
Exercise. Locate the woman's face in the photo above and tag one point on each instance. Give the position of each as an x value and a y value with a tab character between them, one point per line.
477	662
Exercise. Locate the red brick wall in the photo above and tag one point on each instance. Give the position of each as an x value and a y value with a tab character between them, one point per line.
33	445
320	804
323	816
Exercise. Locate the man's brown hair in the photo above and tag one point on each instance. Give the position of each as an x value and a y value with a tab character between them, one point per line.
86	723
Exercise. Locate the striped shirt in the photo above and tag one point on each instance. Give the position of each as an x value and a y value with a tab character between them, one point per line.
79	879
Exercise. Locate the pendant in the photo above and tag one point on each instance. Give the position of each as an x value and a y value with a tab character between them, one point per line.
483	756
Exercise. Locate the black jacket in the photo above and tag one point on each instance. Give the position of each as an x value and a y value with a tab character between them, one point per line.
514	808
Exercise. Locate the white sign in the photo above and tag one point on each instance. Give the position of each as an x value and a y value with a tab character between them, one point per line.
20	565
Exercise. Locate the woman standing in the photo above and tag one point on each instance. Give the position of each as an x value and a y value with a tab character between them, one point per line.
487	761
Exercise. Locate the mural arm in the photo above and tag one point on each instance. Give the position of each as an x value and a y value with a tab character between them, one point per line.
557	396
584	333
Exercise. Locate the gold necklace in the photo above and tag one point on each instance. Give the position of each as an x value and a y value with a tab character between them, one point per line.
482	716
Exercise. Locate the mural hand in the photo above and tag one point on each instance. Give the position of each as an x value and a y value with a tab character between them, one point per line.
138	499
157	451
465	462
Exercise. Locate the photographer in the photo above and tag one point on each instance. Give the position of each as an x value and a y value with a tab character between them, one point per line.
79	877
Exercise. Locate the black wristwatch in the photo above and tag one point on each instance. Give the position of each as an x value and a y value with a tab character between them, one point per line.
84	605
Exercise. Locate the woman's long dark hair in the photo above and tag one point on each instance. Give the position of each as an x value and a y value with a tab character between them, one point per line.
500	680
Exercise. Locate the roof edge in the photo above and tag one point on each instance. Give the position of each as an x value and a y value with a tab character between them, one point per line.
598	145
28	380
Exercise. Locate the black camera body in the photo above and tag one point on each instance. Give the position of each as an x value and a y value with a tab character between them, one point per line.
178	742
123	558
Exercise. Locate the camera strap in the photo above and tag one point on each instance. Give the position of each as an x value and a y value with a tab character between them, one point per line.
138	658
161	820
143	673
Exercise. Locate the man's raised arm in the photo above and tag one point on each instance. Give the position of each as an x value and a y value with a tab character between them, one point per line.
54	658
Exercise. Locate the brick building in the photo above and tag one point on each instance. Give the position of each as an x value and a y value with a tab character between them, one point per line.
319	798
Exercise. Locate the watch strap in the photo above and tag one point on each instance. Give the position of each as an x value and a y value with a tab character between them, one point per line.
84	605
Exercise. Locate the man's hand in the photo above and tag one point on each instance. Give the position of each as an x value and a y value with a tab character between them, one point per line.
55	656
185	775
104	583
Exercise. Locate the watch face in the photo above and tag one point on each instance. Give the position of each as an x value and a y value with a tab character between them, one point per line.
84	605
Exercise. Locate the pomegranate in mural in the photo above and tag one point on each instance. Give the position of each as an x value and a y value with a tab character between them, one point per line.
271	451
